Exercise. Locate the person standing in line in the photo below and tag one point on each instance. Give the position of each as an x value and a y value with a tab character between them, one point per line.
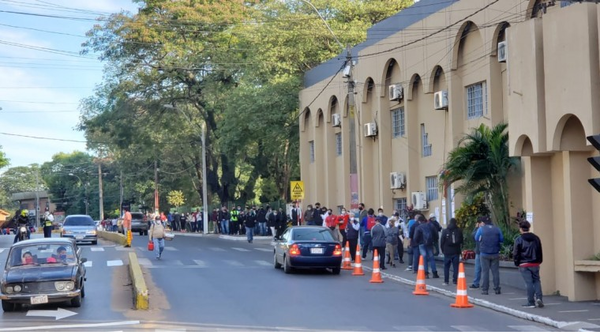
425	235
477	276
403	235
224	219
378	237
272	220
342	224
157	235
309	216
295	214
352	232
261	218
366	225
250	222
410	250
391	241
176	221
490	241
528	256
436	244
451	243
318	215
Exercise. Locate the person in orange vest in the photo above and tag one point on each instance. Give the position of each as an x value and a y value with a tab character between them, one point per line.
126	222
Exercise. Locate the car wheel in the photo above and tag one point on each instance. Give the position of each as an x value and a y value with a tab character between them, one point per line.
7	306
82	291
287	268
76	302
94	242
275	262
336	271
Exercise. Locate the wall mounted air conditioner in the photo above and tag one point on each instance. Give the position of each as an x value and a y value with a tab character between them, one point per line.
397	180
370	129
336	120
440	100
502	52
395	92
419	200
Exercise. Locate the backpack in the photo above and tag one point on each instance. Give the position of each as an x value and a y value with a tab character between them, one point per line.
158	230
370	222
427	236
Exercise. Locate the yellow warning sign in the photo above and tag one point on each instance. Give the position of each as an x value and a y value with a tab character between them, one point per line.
297	190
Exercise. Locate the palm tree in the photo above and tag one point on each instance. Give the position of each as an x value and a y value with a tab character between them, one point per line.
482	164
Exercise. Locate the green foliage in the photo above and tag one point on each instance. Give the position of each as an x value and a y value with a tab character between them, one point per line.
466	217
175	198
3	160
596	257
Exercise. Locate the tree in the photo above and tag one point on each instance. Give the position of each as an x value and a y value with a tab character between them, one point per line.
3	160
482	165
15	180
175	198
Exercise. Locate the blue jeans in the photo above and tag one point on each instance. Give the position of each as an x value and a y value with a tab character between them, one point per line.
250	233
428	259
366	244
263	228
415	255
477	278
159	246
310	223
225	227
532	281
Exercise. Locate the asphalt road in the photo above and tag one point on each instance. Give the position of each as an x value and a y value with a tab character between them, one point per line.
212	284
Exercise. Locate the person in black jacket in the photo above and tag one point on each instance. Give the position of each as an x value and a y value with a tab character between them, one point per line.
250	222
527	254
451	243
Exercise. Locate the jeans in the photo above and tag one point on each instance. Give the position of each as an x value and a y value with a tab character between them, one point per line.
250	233
353	244
415	255
225	227
532	281
381	255
366	244
400	250
490	262
451	260
477	278
427	252
159	246
310	223
263	228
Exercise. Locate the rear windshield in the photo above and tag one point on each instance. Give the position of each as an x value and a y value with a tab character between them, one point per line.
137	216
312	235
79	221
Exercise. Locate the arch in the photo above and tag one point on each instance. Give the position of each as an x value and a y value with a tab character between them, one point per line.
332	106
319	118
436	75
523	146
391	66
533	8
414	80
569	134
368	87
465	30
499	36
305	119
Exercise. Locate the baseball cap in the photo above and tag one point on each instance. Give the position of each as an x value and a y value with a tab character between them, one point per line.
431	215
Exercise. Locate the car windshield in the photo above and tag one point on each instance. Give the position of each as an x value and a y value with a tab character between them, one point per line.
79	221
312	235
39	254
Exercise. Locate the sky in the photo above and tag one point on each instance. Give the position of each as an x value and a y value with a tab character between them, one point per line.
42	76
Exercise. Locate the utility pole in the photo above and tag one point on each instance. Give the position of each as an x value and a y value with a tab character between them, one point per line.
121	194
37	198
156	211
354	180
204	186
101	204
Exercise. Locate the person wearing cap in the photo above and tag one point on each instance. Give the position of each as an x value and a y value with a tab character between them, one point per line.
490	242
527	255
436	224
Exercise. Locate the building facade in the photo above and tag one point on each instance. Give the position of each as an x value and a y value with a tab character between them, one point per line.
428	75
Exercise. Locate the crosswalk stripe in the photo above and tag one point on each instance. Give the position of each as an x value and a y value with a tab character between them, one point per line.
2	250
116	262
265	263
470	328
97	249
264	249
234	263
171	248
216	249
88	264
528	328
416	328
241	249
144	262
200	263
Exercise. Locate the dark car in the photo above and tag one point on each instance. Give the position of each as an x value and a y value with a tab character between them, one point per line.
42	271
139	223
82	228
307	247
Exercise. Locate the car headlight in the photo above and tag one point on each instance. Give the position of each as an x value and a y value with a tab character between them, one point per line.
67	232
64	285
9	289
91	232
17	288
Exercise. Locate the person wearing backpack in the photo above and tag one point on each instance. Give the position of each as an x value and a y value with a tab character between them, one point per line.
156	233
451	243
425	235
366	224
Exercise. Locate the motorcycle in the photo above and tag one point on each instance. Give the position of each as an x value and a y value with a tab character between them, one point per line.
22	233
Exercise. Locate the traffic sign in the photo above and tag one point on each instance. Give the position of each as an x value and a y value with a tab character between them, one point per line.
297	190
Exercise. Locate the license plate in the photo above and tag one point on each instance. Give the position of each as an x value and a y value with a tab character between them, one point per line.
39	299
80	237
318	251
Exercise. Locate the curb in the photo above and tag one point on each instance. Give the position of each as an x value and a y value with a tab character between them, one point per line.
140	291
243	238
484	303
114	237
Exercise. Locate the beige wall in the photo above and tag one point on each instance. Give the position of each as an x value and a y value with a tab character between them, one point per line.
547	92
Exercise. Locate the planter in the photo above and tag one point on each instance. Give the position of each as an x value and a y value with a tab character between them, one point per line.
587	266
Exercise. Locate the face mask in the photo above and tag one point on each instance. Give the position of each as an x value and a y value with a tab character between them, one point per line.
380	213
343	212
62	257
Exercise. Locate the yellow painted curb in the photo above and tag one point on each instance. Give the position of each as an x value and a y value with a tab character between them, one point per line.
140	291
111	236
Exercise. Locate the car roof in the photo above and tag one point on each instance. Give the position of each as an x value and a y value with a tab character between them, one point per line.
50	240
77	215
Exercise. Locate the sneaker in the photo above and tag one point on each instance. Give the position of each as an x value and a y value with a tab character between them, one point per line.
444	284
539	303
528	306
408	268
497	290
474	286
454	282
484	292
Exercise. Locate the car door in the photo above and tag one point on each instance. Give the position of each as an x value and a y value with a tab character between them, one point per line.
280	246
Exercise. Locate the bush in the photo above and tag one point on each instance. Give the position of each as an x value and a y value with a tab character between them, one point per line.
466	217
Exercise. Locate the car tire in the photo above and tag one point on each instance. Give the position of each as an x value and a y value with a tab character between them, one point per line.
8	306
287	268
336	270
76	302
275	262
82	291
94	242
141	233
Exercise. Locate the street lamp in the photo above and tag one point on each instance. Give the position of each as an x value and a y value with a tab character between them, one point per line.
85	190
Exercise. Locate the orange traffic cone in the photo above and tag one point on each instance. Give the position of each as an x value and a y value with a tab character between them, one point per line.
420	287
376	277
462	300
358	271
347	262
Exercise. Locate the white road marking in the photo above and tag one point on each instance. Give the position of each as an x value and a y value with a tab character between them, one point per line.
470	329
200	263
416	328
264	249
175	262
528	328
170	330
518	298
241	249
265	263
88	264
81	325
122	248
144	262
171	248
216	249
116	262
234	263
575	311
58	314
2	250
97	249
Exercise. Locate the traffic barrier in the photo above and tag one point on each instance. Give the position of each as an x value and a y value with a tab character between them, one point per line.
347	263
376	277
140	290
420	287
129	238
462	299
112	236
358	270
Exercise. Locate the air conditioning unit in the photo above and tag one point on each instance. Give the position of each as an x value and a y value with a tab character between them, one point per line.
397	180
419	200
395	92
502	52
336	120
370	129
440	100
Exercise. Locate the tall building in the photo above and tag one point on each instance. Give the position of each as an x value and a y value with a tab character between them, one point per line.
428	75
